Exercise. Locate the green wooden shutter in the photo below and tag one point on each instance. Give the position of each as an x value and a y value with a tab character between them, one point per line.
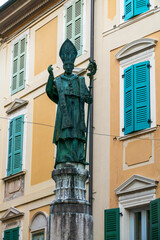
155	219
140	6
19	65
142	95
11	234
18	144
10	149
15	233
7	235
22	63
128	100
69	23
14	86
78	26
112	224
128	9
74	23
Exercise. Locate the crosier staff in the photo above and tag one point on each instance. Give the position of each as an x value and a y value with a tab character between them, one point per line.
92	68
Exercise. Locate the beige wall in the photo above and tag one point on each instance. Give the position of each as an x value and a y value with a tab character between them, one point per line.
45	46
136	151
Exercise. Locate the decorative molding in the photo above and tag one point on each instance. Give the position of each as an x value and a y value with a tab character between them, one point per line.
14	176
135	47
16	104
136	183
12	213
14	186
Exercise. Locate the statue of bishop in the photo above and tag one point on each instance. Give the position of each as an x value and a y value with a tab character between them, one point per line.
70	93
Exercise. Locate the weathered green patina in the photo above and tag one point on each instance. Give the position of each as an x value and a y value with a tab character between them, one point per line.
70	93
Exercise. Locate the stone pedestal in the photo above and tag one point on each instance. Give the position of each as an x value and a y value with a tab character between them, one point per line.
69	212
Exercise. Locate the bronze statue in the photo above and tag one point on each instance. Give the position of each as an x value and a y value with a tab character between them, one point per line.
70	93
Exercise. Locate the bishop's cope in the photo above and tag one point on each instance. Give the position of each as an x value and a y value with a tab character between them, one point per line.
70	93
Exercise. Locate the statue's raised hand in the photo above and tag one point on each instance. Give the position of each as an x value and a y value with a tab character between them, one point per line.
50	70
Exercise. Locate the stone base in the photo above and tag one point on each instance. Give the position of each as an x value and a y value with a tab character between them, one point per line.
69	213
70	221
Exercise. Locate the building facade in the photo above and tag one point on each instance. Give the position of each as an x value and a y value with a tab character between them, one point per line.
32	33
131	45
126	114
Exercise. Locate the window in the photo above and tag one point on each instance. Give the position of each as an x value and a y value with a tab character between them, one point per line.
135	7
38	226
18	65
11	234
137	97
140	224
74	23
137	86
38	236
138	212
15	145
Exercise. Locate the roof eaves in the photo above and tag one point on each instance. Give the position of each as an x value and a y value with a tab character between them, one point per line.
6	5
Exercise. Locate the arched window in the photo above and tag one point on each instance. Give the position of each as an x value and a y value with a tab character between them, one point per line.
38	226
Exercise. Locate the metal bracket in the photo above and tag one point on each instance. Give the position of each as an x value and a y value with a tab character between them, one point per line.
149	121
121	214
123	16
149	66
123	129
123	76
149	5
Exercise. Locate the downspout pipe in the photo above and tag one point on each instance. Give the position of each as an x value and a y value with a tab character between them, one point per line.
91	113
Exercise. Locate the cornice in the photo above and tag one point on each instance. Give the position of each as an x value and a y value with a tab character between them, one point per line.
19	12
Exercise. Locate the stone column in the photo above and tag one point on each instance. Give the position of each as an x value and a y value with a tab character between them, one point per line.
69	212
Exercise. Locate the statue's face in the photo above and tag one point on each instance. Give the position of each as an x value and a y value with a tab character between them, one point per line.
68	67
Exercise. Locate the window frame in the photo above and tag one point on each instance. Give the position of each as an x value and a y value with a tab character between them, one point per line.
37	233
148	55
122	20
14	41
143	212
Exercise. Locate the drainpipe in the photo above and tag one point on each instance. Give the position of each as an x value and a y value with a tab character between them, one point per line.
91	114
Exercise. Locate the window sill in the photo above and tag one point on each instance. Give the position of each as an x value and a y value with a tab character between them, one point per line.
136	134
131	21
14	176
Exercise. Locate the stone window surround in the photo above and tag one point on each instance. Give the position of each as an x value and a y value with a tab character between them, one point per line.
137	51
10	222
134	196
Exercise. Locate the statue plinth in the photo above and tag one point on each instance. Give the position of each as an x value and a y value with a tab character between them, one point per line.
69	212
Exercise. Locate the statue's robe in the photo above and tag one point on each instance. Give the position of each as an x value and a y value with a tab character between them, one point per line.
70	93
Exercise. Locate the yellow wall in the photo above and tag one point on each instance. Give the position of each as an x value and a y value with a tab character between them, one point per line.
46	46
135	149
111	9
42	146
